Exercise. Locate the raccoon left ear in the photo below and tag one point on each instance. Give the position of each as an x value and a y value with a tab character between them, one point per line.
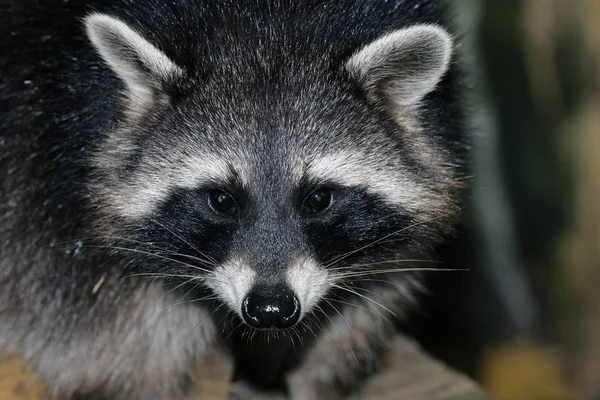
143	68
403	66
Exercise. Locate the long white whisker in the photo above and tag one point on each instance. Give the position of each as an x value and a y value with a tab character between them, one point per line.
367	291
204	298
341	316
202	320
185	241
350	304
153	255
386	262
159	249
366	298
348	254
394	270
201	260
369	310
112	238
318	307
164	275
347	323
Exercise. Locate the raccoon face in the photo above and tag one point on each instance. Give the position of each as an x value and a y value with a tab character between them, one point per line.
271	188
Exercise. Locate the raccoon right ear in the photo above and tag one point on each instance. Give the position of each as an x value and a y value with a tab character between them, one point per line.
404	65
143	68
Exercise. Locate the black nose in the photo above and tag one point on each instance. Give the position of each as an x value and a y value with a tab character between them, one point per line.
279	309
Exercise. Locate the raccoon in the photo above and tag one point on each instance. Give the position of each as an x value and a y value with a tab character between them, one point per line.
251	176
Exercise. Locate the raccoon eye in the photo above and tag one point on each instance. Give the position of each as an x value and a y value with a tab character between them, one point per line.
222	203
318	201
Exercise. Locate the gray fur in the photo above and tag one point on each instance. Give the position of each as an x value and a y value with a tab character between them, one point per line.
116	275
151	333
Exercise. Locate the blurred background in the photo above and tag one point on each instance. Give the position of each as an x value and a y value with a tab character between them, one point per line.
525	321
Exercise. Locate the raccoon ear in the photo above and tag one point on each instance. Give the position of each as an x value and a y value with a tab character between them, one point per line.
145	69
403	66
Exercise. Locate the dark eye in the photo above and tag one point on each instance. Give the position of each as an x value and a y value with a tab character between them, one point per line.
318	201
222	202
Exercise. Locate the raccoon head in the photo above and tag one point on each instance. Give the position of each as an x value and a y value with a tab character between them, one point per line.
271	180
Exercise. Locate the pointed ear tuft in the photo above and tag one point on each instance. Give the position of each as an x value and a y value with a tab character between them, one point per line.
144	68
403	66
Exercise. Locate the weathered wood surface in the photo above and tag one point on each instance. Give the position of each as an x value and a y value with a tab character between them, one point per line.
410	375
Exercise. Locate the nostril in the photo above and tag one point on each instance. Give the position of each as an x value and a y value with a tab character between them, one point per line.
281	310
290	314
250	312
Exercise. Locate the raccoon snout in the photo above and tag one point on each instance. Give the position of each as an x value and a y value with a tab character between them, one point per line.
264	309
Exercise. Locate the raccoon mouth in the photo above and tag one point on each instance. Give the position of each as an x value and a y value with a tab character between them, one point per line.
264	311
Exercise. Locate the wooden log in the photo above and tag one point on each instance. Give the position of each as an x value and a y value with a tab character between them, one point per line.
413	375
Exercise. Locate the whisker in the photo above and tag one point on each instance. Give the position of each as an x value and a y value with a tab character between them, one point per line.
318	307
348	254
367	291
190	279
204	298
386	262
341	316
201	260
307	326
395	270
202	320
164	275
313	319
393	283
349	326
366	298
294	332
151	245
183	284
236	328
369	310
253	333
153	255
347	303
224	321
185	241
199	283
110	238
163	250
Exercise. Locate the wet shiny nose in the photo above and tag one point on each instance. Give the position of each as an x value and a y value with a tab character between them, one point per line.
274	310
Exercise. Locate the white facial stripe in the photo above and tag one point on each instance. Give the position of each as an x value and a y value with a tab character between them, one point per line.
350	169
309	281
201	169
139	198
141	195
232	282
